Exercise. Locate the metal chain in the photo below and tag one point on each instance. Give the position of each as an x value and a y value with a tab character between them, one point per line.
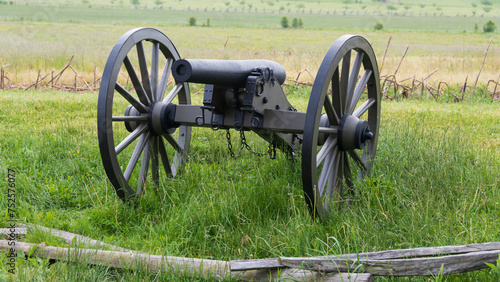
245	144
230	146
271	150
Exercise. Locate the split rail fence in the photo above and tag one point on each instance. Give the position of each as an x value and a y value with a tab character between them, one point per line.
427	261
391	87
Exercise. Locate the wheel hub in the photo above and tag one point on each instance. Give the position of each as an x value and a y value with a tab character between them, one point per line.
161	118
353	133
130	111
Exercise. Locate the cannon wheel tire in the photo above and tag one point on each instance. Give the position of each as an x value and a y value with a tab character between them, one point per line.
345	93
136	75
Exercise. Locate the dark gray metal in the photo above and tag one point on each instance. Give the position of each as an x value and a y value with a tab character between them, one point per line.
335	134
121	150
230	73
327	163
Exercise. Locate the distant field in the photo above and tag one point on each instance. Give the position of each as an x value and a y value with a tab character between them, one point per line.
30	46
447	7
331	19
44	35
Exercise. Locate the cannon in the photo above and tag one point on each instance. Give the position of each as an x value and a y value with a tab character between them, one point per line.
145	115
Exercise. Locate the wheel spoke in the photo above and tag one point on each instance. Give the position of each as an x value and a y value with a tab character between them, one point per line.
344	81
143	97
333	180
154	70
336	99
173	93
325	150
361	164
353	79
325	171
363	108
359	90
328	130
135	156
164	78
331	113
154	159
143	66
172	142
348	174
164	158
131	99
129	118
144	167
131	137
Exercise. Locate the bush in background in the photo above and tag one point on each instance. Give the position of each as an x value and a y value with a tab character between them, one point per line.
490	26
284	22
192	21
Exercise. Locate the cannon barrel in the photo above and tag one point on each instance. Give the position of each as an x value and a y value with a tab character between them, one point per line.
233	73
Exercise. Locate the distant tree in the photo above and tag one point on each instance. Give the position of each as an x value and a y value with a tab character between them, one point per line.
378	26
208	22
135	3
192	21
295	23
284	22
476	27
158	2
301	24
490	26
487	9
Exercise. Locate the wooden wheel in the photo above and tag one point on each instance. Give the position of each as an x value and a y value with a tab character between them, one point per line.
342	120
131	142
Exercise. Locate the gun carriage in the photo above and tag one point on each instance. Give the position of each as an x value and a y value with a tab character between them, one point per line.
148	130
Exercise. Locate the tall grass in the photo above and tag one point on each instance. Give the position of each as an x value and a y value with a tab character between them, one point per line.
28	47
435	182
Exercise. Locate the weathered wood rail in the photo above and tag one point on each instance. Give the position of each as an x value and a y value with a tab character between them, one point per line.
361	267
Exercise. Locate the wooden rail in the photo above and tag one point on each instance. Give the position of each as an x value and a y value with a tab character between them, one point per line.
349	267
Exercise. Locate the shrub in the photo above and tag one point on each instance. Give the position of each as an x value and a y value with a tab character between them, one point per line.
378	26
295	23
284	22
487	9
486	2
192	21
135	3
490	26
391	7
476	27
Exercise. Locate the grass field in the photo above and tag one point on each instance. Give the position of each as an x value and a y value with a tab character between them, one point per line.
448	7
435	182
29	46
44	35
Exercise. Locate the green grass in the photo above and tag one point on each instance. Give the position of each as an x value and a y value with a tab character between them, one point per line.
435	182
